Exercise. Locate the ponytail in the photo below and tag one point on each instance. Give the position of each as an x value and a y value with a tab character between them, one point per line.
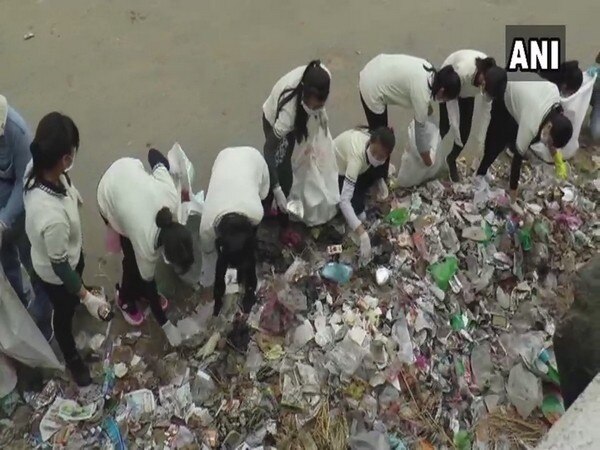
446	78
315	81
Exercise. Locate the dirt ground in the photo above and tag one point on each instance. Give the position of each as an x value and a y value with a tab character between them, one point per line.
146	72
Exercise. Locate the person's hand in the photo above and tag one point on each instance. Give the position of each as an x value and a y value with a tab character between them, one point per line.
560	167
426	157
382	190
365	247
98	307
173	334
280	198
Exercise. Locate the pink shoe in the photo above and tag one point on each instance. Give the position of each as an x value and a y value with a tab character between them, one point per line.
164	304
136	318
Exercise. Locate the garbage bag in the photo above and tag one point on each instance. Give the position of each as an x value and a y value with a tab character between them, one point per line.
8	376
412	169
183	173
315	182
575	108
20	338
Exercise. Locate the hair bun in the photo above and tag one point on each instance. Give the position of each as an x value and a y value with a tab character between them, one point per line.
164	218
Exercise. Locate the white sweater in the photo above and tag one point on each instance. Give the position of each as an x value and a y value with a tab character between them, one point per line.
129	199
529	102
397	80
53	227
285	120
238	183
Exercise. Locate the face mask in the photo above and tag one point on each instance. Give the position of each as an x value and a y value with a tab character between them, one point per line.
70	166
372	160
311	112
545	137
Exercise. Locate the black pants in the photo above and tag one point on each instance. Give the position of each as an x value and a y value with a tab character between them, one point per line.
374	120
284	169
465	107
364	182
134	287
64	304
501	133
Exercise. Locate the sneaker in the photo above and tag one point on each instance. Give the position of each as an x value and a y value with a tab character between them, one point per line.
134	318
79	371
164	304
454	176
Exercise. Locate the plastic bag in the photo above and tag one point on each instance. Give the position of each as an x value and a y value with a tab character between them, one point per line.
183	174
275	317
8	376
412	169
443	271
398	216
315	182
20	338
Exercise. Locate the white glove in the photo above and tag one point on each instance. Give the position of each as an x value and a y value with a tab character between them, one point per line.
173	334
382	189
280	198
365	247
95	304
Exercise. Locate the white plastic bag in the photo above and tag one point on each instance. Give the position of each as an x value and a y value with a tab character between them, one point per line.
575	108
315	182
20	338
182	171
413	170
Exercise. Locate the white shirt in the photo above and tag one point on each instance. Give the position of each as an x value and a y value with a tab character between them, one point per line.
238	183
53	227
285	120
529	102
397	80
463	62
350	153
129	199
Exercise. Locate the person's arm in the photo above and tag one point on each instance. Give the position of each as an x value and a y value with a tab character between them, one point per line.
422	143
346	204
524	139
219	288
515	172
21	156
272	144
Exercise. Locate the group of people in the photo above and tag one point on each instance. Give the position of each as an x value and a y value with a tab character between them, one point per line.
40	224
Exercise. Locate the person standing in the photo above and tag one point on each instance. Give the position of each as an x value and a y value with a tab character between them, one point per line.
141	208
53	226
15	248
363	159
296	99
528	113
233	208
479	76
409	82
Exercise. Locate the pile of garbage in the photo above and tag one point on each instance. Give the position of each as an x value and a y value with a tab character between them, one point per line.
442	341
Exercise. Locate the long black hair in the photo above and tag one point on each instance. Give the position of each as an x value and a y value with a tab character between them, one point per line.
562	128
56	136
446	78
315	82
495	76
175	239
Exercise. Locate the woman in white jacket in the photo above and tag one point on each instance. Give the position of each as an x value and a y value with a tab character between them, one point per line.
297	98
53	226
479	76
406	81
141	208
363	159
233	208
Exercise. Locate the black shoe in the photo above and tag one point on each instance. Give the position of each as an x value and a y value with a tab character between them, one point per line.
453	169
79	371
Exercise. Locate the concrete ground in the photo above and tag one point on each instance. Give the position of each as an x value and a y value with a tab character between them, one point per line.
147	72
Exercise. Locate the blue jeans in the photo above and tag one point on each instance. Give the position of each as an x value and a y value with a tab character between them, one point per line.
16	250
595	114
